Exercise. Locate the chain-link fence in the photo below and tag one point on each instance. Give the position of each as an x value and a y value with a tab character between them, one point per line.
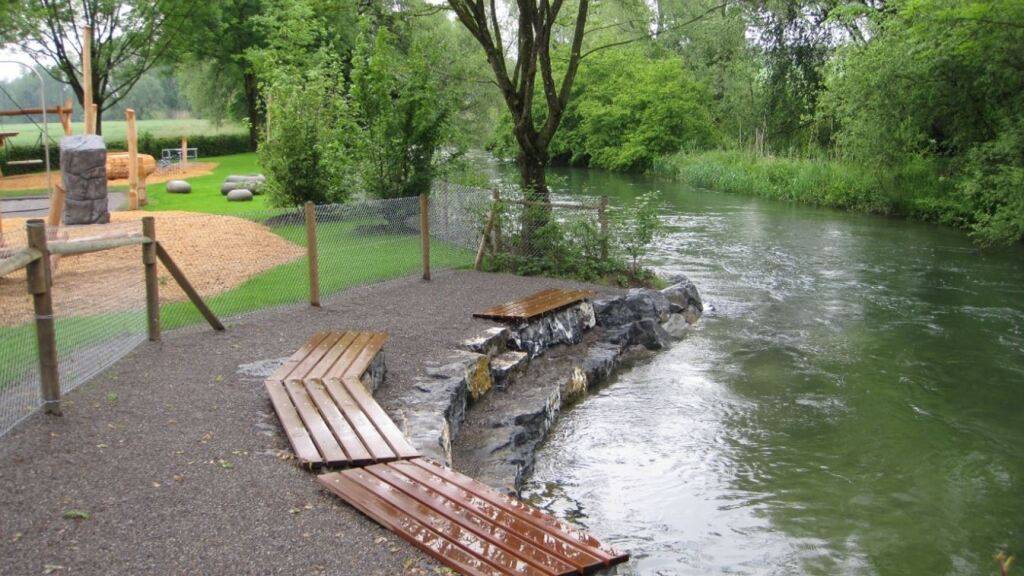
237	263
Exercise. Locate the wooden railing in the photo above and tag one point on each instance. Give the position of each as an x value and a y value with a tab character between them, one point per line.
36	260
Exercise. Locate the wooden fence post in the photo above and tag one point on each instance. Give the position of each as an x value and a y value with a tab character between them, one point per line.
602	221
87	105
187	287
39	285
133	159
425	233
152	282
483	239
311	255
496	243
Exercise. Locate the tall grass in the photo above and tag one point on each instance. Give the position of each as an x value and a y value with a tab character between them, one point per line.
915	189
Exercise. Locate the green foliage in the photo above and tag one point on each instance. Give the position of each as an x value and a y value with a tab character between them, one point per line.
637	227
993	186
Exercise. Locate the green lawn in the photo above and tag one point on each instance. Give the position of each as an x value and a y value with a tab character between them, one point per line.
114	130
206	196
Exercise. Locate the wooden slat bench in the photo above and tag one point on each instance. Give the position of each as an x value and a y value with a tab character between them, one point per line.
466	524
328	414
534	305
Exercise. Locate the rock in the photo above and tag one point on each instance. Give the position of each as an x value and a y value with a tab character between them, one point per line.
473	368
683	295
178	187
647	333
83	164
676	325
575	387
241	195
374	375
600	361
638	304
245	177
491	342
507	366
433	414
563	327
254	186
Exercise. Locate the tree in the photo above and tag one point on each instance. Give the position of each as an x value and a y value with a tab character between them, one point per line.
129	38
534	40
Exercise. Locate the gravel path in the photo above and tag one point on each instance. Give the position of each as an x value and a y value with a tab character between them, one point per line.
175	457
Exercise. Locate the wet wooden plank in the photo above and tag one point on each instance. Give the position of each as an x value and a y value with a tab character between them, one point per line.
355	451
384	425
296	431
375	444
337	370
299	355
412	531
366	356
332	356
321	434
538	304
315	356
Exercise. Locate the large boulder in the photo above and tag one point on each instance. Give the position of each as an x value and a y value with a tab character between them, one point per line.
637	304
178	187
684	298
254	186
83	164
646	332
245	178
240	195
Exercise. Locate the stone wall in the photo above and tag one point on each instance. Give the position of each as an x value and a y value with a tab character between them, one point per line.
83	164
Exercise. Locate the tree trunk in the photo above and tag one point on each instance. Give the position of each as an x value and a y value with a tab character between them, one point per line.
252	106
99	114
535	188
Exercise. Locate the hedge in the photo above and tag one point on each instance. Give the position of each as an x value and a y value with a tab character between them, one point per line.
215	145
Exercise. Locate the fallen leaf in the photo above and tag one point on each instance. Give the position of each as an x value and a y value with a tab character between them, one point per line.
76	514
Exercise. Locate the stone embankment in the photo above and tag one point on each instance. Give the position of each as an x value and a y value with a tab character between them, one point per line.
486	408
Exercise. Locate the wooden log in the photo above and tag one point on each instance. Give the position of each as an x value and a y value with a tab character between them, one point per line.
39	286
56	213
184	152
133	160
18	260
70	247
65	116
311	255
602	222
186	287
425	233
152	282
87	106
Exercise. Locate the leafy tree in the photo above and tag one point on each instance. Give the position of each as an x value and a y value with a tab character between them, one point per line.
130	37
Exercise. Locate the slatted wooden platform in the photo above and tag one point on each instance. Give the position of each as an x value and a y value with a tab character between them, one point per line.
465	524
327	413
534	305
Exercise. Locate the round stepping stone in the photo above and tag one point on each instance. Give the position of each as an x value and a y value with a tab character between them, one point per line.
178	187
240	195
245	177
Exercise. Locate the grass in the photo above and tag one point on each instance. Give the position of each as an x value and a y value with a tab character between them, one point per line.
114	130
206	196
45	192
909	190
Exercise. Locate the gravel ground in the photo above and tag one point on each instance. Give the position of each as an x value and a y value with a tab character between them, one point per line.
174	460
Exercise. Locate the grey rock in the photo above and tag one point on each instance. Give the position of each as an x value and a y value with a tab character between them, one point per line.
490	342
563	327
83	164
245	178
179	187
600	361
374	375
683	296
612	312
647	333
648	304
507	366
676	325
241	195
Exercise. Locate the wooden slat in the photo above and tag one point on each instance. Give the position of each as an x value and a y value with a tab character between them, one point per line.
300	354
329	359
384	425
375	444
366	356
315	355
321	434
349	356
355	451
296	431
496	531
530	551
535	305
456	534
528	513
412	531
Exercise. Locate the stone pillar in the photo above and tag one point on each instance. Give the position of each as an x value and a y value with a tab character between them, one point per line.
83	164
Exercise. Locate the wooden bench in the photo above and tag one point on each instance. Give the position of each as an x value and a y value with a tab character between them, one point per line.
534	305
328	414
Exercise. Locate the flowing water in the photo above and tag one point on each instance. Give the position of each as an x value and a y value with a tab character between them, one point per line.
851	403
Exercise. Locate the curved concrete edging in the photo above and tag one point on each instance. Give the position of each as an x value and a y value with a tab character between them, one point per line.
609	329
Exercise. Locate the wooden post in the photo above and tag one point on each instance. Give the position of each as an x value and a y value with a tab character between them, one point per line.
56	206
311	255
483	239
133	160
425	233
187	288
87	106
496	242
65	117
184	152
39	285
152	282
602	221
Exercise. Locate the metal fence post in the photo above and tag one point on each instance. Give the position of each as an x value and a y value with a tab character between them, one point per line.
39	285
425	233
602	221
152	282
311	255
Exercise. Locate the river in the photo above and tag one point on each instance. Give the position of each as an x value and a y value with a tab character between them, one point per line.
851	403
